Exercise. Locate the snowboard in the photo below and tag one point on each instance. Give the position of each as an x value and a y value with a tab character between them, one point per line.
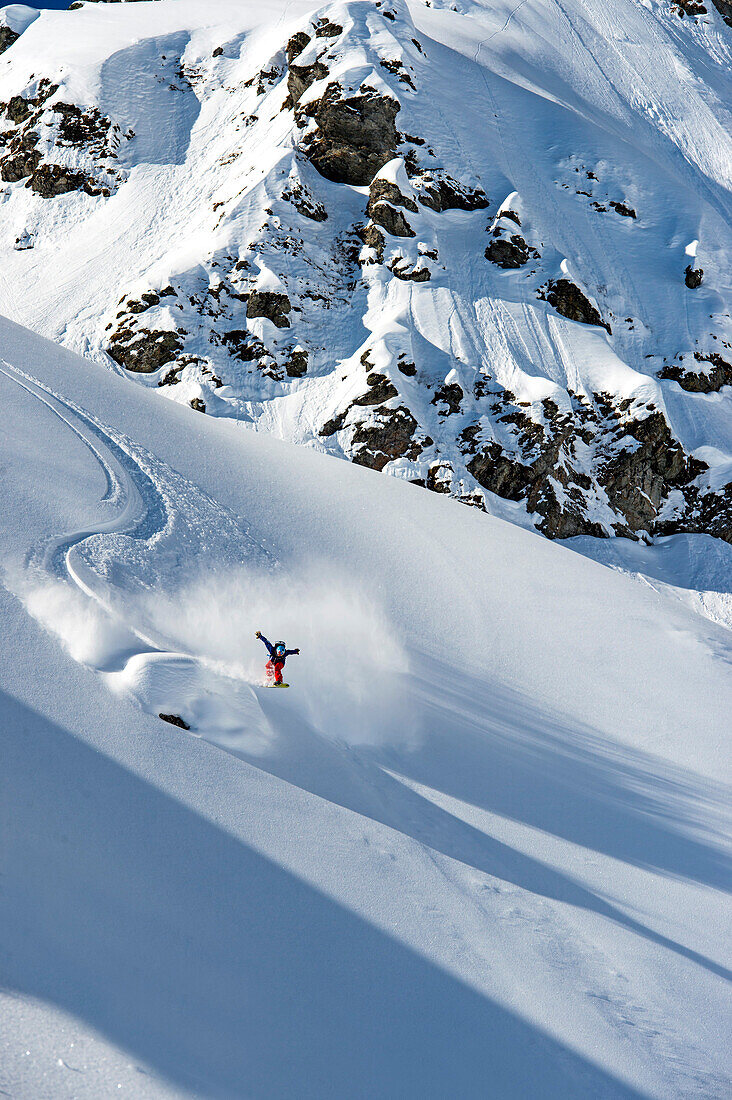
277	685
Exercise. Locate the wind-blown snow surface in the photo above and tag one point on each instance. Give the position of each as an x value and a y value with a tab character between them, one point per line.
478	848
193	204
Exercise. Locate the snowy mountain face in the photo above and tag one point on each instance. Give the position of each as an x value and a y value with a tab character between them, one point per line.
483	248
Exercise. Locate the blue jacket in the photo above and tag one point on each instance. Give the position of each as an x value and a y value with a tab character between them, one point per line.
270	650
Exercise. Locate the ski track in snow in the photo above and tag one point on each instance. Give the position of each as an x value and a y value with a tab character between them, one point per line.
146	498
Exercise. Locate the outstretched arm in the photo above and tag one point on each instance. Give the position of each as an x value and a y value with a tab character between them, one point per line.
269	645
289	652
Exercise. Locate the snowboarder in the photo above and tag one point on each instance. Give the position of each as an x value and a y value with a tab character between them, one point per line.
278	654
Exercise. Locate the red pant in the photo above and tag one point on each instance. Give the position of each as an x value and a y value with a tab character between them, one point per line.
274	671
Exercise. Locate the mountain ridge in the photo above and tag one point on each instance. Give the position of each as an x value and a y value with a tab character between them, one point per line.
402	252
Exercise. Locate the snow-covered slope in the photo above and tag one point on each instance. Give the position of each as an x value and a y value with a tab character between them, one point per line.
458	242
476	849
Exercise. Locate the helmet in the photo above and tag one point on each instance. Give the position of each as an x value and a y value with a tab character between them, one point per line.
279	648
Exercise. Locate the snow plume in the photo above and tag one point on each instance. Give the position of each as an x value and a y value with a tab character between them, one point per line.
89	634
348	680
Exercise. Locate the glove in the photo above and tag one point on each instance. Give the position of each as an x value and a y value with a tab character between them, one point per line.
258	634
297	651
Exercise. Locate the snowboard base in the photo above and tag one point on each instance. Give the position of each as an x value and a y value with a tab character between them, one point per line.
277	685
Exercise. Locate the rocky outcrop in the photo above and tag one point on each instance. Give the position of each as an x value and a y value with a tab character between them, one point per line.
242	345
82	128
270	304
389	436
381	390
146	353
172	719
51	180
508	252
20	164
643	471
622	209
390	219
297	364
444	193
693	276
354	136
710	381
724	7
409	274
304	203
568	299
373	238
7	37
299	79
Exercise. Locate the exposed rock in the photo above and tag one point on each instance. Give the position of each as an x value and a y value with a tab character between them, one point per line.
396	68
305	204
173	719
389	192
688	7
446	193
415	275
693	277
501	475
270	304
355	137
328	29
439	478
82	128
7	37
381	390
18	109
146	301
296	45
297	364
391	436
622	209
508	253
299	79
450	395
218	51
407	368
242	345
390	219
197	404
373	238
724	7
20	165
51	180
335	424
568	299
637	480
701	382
147	353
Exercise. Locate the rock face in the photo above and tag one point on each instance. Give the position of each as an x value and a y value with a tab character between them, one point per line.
147	353
355	136
511	252
724	7
50	180
446	193
391	435
270	304
569	300
701	381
